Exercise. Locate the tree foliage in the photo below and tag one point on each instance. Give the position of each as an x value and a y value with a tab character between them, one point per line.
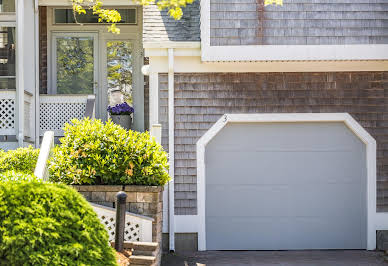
174	8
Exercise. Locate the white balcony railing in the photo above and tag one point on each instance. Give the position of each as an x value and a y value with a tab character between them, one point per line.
7	112
56	110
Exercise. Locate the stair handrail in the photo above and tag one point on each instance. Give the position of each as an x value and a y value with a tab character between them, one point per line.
41	168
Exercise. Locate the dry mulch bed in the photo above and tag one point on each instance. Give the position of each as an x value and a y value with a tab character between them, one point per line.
123	258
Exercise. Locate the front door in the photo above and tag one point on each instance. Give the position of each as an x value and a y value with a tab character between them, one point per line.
118	83
75	62
89	63
122	80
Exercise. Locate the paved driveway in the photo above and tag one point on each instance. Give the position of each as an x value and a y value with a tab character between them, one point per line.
314	258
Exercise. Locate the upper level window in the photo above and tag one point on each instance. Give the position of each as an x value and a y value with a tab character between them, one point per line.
66	16
7	58
7	6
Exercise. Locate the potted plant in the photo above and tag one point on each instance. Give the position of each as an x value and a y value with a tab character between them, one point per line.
121	114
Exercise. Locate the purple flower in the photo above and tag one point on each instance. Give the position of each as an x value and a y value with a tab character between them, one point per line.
121	109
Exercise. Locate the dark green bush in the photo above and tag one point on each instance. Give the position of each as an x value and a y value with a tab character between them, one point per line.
19	160
50	224
95	153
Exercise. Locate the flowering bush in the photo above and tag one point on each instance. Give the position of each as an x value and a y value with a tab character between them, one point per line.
120	109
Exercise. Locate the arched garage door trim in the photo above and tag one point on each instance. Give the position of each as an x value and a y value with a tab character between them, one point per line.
352	124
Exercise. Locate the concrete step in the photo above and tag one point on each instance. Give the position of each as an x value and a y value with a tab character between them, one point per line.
142	260
144	252
141	246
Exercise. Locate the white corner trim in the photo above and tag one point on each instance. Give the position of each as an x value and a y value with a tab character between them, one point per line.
374	221
283	52
186	224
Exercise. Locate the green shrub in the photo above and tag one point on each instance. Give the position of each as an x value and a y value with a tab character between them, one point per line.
20	160
95	153
16	176
50	224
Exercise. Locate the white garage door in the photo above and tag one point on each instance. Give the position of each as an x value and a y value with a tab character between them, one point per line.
285	186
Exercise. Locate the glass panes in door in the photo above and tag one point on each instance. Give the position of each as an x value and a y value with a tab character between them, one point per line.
119	72
75	64
7	58
7	6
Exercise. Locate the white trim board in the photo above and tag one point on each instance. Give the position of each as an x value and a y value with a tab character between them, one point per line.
189	61
295	52
283	52
374	221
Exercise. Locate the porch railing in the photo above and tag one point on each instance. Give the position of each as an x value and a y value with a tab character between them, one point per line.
56	110
8	111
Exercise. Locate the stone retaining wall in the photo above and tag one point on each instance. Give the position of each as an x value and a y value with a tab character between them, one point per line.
143	200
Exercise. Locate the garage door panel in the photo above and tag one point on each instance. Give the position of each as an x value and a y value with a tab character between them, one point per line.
253	200
285	186
243	136
264	233
279	167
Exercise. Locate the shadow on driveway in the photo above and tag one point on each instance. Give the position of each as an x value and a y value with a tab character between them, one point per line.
236	258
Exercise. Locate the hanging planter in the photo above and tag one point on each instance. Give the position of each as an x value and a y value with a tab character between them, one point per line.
121	114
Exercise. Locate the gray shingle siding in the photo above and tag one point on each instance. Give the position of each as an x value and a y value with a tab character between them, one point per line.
202	98
299	22
159	26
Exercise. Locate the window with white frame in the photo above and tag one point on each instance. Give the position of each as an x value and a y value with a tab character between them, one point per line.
66	16
7	45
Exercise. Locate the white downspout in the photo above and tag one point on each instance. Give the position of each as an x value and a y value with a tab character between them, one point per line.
171	122
36	56
19	71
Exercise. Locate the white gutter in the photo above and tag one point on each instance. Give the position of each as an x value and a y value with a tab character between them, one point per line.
36	58
19	71
171	122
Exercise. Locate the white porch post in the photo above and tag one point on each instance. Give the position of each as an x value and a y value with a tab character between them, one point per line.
36	58
19	71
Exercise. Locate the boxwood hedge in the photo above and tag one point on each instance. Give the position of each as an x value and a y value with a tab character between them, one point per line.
19	160
49	224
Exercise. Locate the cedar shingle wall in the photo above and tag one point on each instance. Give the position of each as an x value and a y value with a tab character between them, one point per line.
201	99
299	22
159	26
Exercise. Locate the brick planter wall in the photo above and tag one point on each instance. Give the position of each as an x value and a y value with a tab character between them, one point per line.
143	200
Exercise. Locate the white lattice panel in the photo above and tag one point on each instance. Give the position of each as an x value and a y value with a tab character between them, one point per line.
137	228
56	110
7	112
